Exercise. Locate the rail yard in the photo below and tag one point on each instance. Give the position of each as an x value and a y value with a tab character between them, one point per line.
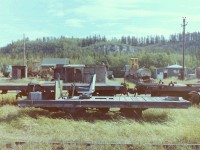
92	98
103	97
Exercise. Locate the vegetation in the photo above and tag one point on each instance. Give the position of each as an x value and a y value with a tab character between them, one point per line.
152	51
39	128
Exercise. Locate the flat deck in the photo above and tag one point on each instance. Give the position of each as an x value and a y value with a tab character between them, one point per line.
109	102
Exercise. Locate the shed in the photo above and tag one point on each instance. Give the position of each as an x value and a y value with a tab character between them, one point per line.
19	72
160	73
69	73
175	70
99	70
80	73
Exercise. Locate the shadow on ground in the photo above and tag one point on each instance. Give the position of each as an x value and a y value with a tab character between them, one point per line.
89	115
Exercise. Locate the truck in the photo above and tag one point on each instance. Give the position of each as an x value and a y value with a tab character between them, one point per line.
135	74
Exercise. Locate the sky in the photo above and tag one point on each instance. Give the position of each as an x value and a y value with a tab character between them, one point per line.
82	18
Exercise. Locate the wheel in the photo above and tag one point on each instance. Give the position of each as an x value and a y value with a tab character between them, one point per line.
132	112
75	112
104	110
194	97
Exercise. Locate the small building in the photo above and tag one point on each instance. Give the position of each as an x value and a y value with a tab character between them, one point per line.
80	73
175	70
99	70
19	72
69	73
169	71
160	73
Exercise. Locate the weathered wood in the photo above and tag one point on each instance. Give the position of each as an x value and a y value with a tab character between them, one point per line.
108	102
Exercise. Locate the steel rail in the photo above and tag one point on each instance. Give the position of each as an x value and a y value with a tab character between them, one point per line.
132	145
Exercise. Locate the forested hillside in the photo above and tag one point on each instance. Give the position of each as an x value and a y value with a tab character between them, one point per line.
152	51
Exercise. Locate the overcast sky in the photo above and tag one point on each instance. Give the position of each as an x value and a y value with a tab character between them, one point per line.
81	18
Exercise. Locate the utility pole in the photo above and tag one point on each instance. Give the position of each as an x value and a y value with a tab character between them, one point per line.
183	70
24	51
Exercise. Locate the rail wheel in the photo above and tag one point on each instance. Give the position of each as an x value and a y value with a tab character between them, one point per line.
132	112
104	110
75	112
194	97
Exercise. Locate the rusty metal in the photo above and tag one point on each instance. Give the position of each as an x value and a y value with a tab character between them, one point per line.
128	145
171	89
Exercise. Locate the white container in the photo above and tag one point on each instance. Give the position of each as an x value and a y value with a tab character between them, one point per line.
35	96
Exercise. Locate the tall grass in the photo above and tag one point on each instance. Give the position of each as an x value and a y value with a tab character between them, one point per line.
8	99
39	128
158	126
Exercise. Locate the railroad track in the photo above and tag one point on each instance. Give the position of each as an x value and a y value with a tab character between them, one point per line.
61	145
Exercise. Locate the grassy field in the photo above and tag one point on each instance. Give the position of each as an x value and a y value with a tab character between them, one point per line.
39	128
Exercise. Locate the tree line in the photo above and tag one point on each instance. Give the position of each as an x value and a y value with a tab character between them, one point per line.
143	41
152	51
173	38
